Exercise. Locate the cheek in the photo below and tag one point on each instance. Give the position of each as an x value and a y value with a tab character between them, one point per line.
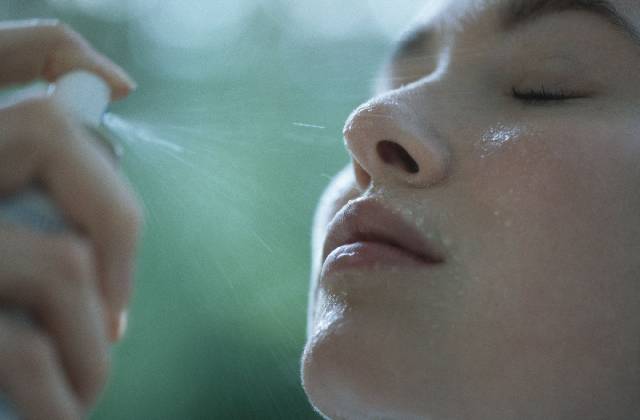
556	217
548	229
569	184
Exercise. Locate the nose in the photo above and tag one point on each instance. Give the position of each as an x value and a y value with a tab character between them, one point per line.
390	142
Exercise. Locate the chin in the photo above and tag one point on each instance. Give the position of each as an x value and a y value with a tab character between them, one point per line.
333	385
326	386
347	372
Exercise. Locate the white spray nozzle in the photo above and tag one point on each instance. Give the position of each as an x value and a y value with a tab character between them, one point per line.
84	95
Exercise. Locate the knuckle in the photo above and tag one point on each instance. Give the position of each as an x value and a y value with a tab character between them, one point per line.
39	107
28	356
63	33
67	413
99	375
94	380
103	367
133	214
38	128
32	353
74	261
127	216
41	113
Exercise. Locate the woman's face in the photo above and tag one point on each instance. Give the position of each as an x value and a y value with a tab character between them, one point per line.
480	259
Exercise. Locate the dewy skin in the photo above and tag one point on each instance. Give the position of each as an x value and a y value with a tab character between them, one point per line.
497	137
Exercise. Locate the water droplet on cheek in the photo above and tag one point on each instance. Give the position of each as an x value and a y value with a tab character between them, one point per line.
497	137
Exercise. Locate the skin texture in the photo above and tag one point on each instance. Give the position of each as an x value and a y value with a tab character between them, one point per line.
535	312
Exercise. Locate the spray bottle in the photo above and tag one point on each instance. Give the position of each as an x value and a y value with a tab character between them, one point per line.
85	97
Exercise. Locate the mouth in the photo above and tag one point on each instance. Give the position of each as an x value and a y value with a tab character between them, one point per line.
366	235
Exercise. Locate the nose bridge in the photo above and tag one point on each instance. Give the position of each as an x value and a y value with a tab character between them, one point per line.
394	139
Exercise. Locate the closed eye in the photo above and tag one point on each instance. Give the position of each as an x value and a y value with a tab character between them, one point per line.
543	96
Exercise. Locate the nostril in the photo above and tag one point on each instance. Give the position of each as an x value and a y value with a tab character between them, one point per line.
394	154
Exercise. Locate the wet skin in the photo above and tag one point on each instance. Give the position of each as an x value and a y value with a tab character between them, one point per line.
512	148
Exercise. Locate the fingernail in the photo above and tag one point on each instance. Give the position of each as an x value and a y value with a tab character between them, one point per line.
131	84
120	326
123	324
124	77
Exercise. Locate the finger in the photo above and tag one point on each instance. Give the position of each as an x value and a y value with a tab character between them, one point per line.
31	376
108	213
84	185
53	279
48	49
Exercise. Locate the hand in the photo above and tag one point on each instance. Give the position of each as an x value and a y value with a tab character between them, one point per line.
77	284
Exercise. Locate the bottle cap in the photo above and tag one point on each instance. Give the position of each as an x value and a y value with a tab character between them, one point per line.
84	95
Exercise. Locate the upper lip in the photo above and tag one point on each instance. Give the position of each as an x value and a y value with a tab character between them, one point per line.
368	221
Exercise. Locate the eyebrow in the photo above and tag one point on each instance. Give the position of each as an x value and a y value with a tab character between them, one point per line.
517	13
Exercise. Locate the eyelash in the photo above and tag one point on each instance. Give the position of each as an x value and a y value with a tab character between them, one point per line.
542	96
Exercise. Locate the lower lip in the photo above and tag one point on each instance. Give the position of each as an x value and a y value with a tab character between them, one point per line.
372	256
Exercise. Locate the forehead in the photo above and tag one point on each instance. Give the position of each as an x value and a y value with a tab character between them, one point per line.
444	16
452	11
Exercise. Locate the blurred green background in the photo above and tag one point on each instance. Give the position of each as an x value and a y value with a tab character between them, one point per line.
250	97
